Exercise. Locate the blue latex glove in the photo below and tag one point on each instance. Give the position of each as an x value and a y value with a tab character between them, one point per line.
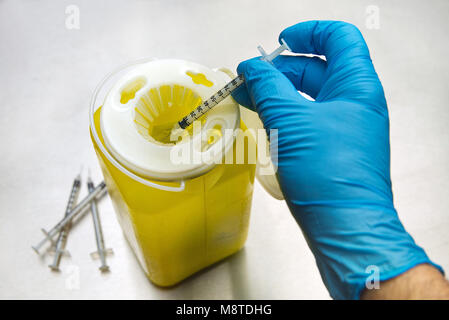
333	153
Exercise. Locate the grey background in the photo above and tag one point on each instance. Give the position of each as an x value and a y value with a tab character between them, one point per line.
47	75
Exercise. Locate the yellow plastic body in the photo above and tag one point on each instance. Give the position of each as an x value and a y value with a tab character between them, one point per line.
175	234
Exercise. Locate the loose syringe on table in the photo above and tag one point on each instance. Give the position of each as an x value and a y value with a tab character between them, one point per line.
207	105
96	193
59	245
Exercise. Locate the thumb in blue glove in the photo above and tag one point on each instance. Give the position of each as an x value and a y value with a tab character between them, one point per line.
333	153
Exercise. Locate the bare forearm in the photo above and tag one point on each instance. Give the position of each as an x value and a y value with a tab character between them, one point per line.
421	282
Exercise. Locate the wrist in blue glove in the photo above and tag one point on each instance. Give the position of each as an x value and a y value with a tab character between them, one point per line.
333	153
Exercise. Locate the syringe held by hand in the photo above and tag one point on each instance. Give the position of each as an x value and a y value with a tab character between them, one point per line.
221	94
215	99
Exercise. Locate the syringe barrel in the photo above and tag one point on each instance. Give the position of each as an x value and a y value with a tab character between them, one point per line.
59	248
96	219
98	192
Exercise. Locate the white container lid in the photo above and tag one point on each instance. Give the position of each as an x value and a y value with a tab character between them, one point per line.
124	133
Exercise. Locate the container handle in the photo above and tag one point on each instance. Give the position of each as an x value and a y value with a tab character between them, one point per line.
182	185
226	71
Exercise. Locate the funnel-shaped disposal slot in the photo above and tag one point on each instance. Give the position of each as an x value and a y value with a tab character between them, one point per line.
159	109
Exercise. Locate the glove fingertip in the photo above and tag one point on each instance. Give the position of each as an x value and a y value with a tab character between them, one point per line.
247	67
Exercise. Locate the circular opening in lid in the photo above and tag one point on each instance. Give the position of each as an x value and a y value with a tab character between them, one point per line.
159	109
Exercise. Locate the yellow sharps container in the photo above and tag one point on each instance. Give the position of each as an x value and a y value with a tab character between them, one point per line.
185	205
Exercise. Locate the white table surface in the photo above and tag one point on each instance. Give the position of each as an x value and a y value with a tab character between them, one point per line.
48	73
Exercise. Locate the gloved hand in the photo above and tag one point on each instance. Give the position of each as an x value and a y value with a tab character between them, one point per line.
333	153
